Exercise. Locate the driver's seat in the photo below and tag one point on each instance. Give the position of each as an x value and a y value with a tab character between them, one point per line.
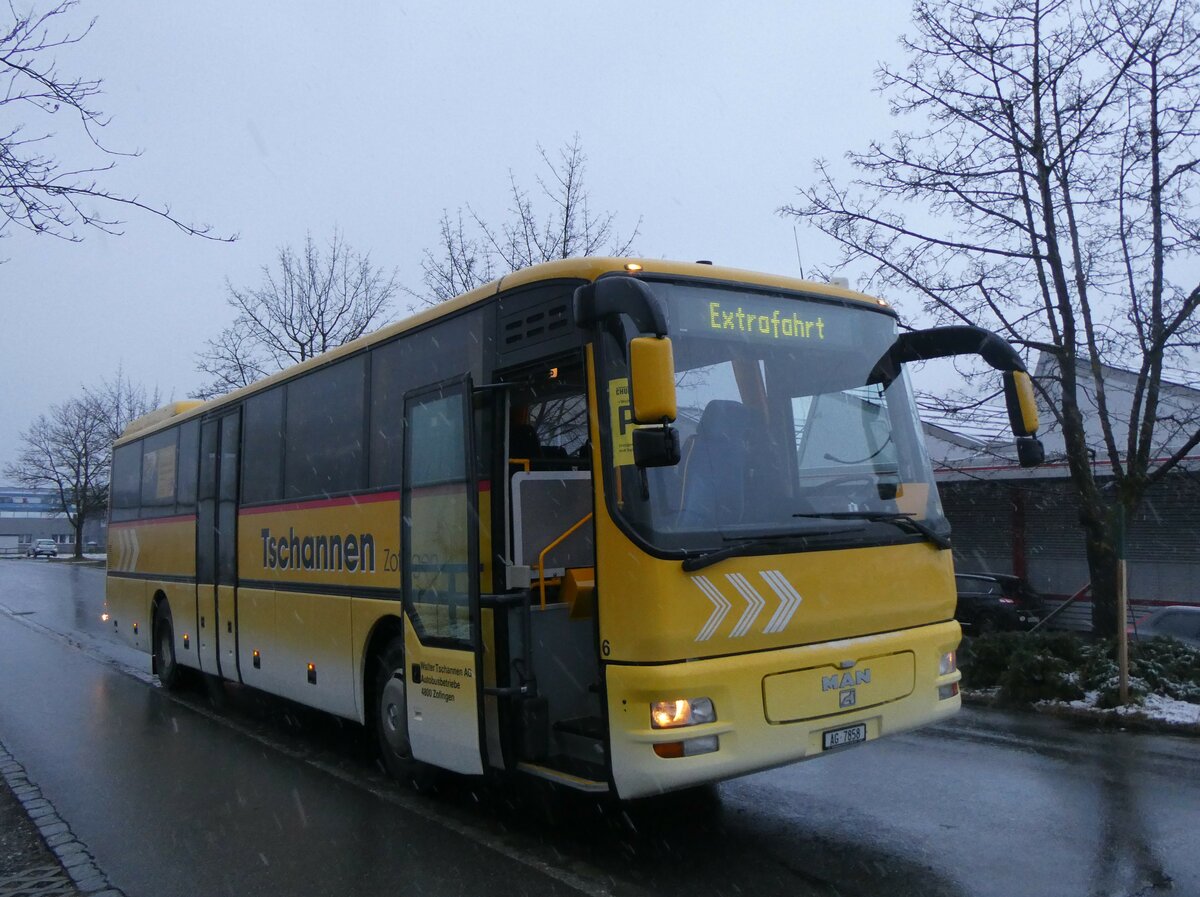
716	463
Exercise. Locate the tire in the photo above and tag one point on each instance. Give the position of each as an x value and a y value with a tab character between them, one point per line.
390	720
170	673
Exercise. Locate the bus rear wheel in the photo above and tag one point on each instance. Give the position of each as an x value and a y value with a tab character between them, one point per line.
169	671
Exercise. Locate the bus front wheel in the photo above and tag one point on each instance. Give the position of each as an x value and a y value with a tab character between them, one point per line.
391	716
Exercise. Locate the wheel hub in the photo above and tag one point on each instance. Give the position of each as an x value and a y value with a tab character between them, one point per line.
395	721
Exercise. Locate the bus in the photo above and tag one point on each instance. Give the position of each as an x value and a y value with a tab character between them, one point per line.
623	524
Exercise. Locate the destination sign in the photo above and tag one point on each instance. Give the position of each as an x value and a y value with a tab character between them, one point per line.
708	312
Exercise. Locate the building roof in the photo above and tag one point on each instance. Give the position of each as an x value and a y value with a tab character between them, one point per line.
957	455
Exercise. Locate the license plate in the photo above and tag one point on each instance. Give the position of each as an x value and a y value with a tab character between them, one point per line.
844	736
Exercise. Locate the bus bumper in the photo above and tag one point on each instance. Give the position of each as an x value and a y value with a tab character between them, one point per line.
777	707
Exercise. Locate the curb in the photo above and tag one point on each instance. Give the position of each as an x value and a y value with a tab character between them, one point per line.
71	853
1132	721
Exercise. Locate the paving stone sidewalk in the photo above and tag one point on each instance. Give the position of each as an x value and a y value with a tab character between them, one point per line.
39	855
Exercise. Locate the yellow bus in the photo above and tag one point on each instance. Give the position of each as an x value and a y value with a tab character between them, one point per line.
626	525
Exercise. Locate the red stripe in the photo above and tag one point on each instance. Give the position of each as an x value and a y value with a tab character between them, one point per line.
178	518
323	503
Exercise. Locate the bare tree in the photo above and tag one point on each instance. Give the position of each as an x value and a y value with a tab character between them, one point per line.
470	251
69	451
119	401
313	301
40	191
1047	192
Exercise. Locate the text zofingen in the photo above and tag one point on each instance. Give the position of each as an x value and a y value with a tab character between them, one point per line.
774	325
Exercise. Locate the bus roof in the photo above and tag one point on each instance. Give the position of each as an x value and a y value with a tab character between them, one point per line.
586	268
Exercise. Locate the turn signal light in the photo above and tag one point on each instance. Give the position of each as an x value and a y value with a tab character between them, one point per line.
689	747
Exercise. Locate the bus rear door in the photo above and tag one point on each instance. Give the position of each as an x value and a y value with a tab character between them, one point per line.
440	558
216	545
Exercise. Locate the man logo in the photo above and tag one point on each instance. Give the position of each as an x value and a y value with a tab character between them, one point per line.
846	680
846	698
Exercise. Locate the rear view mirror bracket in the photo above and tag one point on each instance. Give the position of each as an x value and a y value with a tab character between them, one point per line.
619	294
944	342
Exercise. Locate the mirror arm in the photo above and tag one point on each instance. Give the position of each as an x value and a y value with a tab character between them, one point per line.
945	342
617	294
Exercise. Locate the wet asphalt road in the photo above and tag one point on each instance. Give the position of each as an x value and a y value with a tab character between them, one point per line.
230	792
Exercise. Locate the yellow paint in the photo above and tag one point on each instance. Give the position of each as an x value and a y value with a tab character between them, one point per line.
652	368
166	546
314	628
1026	401
652	611
748	740
579	592
798	695
317	537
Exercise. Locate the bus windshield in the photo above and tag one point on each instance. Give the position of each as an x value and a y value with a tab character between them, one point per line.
781	432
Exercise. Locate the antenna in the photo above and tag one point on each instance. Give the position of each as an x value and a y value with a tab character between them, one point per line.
799	261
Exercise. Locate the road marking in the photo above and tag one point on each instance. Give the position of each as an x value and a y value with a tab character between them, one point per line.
754	604
721	607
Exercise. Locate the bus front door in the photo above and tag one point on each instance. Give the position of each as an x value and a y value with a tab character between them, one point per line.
216	546
440	563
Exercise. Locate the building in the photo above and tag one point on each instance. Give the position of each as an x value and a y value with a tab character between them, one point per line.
1026	522
29	514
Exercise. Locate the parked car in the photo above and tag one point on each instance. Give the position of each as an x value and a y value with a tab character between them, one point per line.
992	602
1178	621
42	548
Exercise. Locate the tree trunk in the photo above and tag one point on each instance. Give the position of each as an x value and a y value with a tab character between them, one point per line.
79	538
1102	566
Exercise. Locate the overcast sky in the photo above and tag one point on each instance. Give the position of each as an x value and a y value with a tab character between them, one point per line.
270	119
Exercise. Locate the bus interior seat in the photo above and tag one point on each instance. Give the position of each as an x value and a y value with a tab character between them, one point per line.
523	442
711	493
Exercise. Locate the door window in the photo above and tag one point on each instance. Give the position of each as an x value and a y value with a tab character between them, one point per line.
439	515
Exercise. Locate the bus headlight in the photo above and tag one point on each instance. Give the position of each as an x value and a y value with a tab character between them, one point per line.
947	664
681	712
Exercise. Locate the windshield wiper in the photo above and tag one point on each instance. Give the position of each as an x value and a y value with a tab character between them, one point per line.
775	544
903	521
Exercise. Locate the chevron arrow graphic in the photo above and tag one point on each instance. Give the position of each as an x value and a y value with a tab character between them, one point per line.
721	607
754	604
789	600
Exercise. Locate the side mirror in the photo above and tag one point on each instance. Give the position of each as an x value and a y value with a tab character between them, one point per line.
1022	406
943	342
1030	451
652	375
